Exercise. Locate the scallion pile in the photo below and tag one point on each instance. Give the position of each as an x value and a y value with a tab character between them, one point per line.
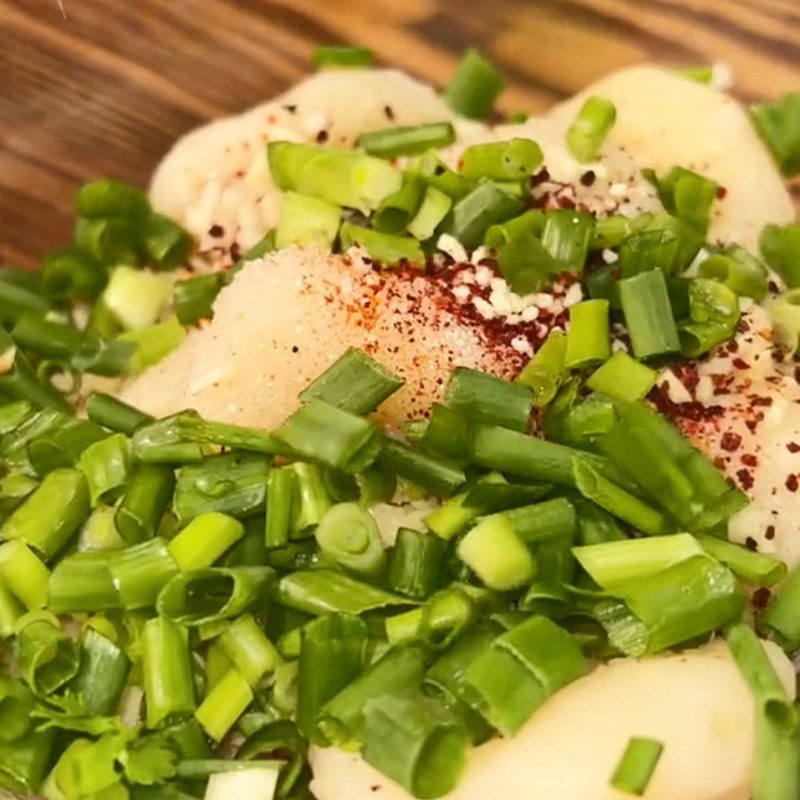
184	601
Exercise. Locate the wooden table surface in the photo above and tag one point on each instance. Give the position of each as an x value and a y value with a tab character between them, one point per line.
105	86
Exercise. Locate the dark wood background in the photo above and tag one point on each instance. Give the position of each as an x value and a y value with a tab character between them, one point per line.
103	88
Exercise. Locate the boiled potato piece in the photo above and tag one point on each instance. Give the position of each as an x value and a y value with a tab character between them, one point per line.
665	120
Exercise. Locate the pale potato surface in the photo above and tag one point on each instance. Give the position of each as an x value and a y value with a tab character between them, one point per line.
289	316
665	120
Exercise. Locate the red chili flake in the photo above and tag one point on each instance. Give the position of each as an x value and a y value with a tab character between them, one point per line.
761	597
216	231
793	447
730	441
740	363
748	459
792	482
764	402
540	177
769	534
745	478
721	192
751	544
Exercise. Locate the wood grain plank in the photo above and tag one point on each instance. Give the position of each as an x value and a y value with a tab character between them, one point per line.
108	88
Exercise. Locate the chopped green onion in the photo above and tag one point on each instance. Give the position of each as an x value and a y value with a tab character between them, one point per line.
398	209
82	582
545	371
307	221
434	208
17	300
686	195
204	540
386	248
136	298
496	554
622	378
140	573
552	519
483	398
776	762
213	594
617	501
739	270
474	87
588	339
610	232
415	741
524	263
566	237
342	177
415	565
311	499
636	768
281	488
152	344
437	475
333	55
407	141
524	227
785	313
24	574
614	563
713	316
103	673
232	483
483	207
527	456
341	722
447	432
146	498
349	535
590	128
648	314
325	592
437	624
756	568
51	514
781	617
193	298
664	243
166	244
47	338
16	704
111	198
778	124
224	704
332	655
321	432
71	274
514	160
167	670
780	248
111	240
248	647
354	382
107	466
63	446
10	612
113	414
502	688
47	658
